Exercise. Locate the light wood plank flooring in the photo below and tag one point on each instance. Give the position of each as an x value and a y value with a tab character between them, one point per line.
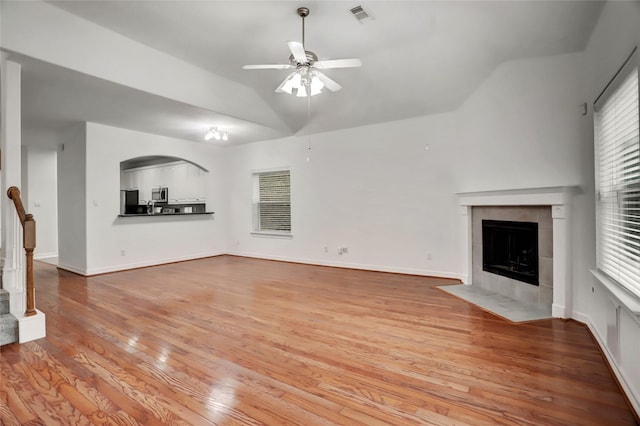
230	340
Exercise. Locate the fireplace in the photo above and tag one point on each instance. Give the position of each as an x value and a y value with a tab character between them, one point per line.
510	249
554	242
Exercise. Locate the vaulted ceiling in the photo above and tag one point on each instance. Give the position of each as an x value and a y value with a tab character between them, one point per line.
419	57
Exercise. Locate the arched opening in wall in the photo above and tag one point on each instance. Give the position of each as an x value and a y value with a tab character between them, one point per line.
159	184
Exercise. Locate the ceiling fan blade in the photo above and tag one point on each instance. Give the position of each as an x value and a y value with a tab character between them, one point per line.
297	50
328	82
268	67
338	63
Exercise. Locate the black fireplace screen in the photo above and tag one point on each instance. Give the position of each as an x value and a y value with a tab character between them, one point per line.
510	249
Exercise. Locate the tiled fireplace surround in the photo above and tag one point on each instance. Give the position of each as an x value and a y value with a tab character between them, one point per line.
510	287
550	207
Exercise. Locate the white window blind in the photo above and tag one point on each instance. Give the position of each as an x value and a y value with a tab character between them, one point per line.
272	201
617	139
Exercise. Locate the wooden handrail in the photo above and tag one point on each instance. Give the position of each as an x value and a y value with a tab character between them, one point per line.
29	244
14	194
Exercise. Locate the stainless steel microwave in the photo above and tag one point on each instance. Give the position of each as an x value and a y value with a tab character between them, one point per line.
160	194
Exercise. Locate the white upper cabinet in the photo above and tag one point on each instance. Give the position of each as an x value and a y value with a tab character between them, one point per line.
185	181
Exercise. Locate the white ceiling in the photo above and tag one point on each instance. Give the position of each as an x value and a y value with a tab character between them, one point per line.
419	57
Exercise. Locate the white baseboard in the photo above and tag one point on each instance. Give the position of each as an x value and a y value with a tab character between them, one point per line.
348	265
126	266
48	255
632	394
70	268
558	311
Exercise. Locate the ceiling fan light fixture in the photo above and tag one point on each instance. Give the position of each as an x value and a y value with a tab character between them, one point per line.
294	83
316	86
217	134
305	79
302	91
209	135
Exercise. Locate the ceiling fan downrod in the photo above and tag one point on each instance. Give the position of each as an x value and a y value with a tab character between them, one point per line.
303	12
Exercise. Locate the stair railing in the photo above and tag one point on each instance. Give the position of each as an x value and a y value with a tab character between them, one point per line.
29	244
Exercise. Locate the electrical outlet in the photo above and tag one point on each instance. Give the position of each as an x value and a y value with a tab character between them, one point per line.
326	249
123	252
343	250
429	256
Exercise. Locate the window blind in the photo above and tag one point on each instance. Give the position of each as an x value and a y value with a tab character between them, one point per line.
617	136
272	201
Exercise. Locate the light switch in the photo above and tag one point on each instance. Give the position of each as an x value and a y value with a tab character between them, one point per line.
37	203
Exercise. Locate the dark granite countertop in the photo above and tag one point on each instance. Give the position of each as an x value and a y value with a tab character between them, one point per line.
162	214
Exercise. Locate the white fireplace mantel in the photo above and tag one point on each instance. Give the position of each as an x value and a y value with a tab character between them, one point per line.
560	199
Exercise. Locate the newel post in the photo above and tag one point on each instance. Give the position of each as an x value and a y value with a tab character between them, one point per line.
29	236
29	244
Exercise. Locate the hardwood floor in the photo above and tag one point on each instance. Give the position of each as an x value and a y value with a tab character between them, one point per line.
230	340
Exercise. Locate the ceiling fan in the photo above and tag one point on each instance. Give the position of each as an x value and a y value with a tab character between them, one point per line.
306	79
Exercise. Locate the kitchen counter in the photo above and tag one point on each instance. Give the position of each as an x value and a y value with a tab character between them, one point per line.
163	214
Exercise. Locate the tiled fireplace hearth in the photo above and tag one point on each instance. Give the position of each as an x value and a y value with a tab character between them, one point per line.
550	209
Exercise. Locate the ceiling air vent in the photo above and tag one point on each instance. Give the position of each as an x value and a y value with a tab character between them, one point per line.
361	14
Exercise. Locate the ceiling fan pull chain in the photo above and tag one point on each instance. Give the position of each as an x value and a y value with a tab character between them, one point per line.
308	123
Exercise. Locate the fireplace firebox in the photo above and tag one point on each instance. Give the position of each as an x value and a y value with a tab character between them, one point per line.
510	249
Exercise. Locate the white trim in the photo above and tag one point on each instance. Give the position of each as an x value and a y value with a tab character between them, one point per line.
553	195
123	267
347	265
558	310
32	327
49	255
271	169
630	301
632	394
152	166
272	234
17	300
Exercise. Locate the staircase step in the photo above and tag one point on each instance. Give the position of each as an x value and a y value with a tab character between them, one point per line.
4	302
8	329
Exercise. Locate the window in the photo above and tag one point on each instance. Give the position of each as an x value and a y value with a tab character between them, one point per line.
617	140
272	202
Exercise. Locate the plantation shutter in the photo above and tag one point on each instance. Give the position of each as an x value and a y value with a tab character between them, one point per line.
617	136
274	201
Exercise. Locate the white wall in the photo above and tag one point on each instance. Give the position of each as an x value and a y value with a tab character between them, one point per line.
522	127
146	240
378	191
72	199
615	35
42	198
373	189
